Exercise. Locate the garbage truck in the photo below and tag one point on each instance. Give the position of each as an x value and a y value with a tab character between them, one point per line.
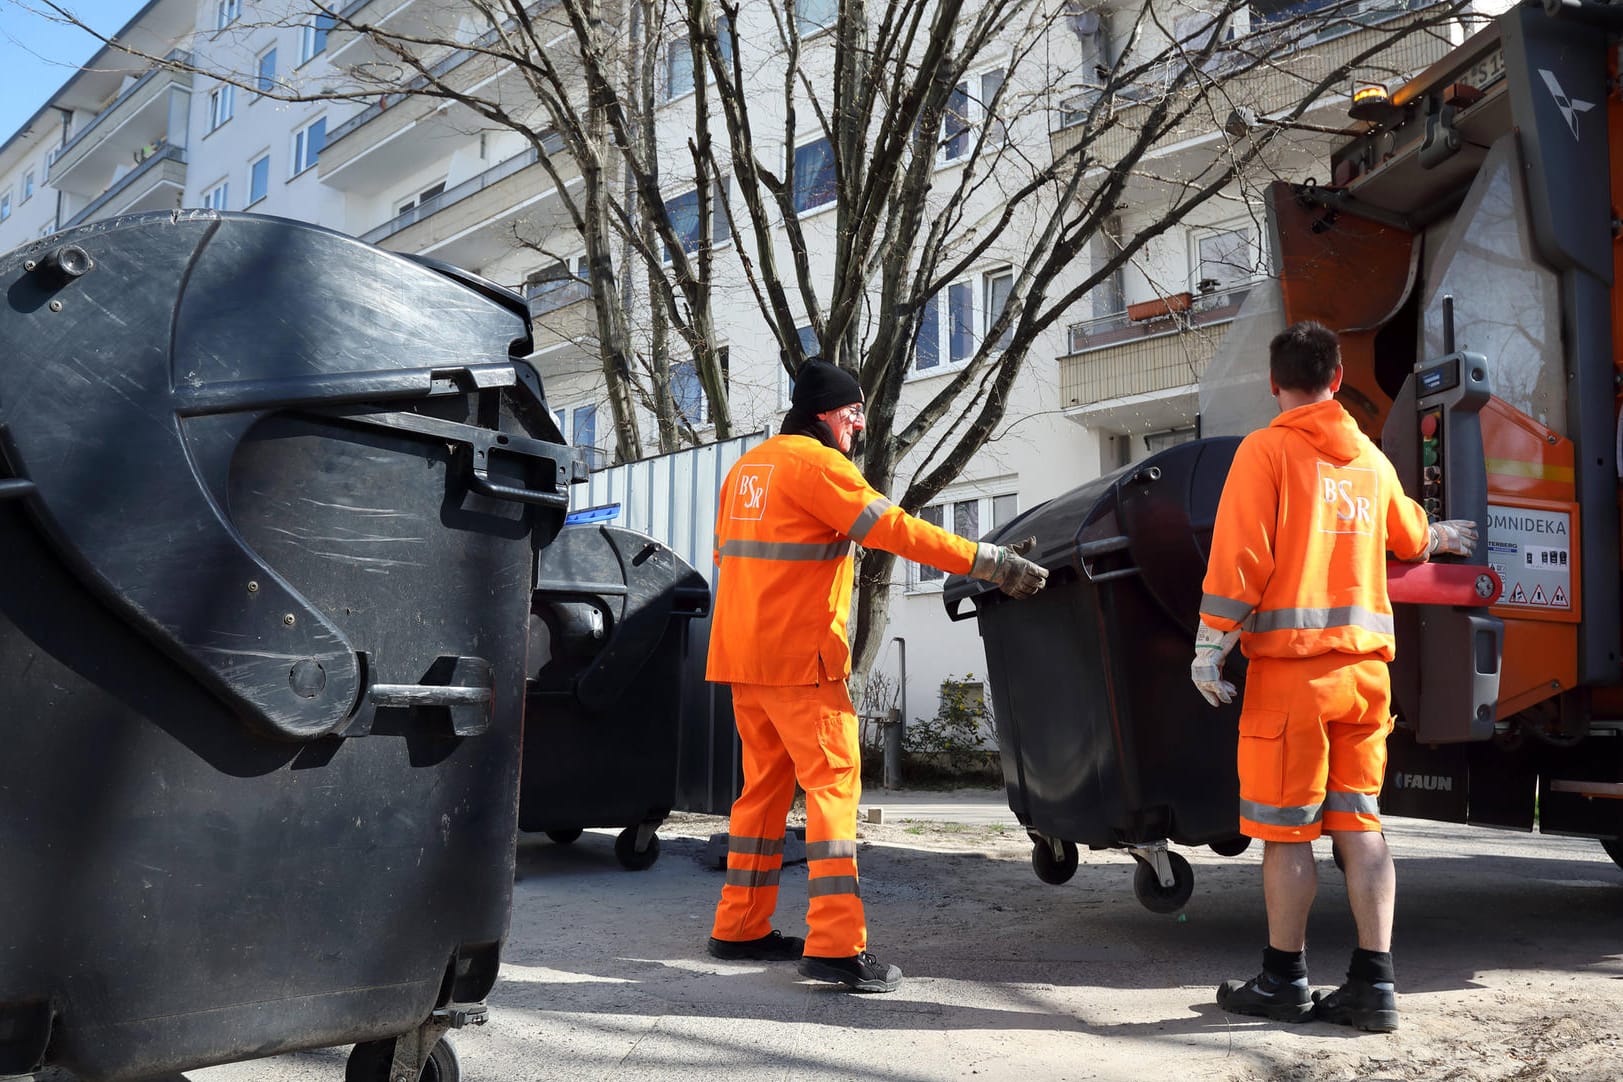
1464	245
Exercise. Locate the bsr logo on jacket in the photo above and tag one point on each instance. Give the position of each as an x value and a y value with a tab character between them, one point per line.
1348	499
749	498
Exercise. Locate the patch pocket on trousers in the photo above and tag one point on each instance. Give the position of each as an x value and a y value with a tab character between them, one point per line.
1262	755
836	735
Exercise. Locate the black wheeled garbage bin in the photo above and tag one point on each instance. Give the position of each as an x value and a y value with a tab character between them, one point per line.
604	715
270	505
1103	739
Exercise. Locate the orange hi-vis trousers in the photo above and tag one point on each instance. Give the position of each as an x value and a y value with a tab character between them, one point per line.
1313	745
807	734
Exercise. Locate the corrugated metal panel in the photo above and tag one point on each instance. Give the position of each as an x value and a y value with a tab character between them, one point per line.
671	498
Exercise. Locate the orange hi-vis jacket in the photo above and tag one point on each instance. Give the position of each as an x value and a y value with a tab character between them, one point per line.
1298	560
792	513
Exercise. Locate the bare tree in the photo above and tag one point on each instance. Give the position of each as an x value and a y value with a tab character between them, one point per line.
960	133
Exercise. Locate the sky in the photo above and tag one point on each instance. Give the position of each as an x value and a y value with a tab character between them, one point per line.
38	55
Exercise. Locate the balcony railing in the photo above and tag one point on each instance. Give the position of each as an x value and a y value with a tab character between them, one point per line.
1165	362
1218	306
149	164
549	296
1315	47
451	196
181	77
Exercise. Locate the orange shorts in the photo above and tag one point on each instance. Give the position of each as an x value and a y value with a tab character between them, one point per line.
1313	745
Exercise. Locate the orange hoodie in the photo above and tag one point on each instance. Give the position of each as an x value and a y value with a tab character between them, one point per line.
1298	558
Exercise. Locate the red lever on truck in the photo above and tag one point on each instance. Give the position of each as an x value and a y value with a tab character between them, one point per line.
1468	585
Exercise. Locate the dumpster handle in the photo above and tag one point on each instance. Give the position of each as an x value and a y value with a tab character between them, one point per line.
15	488
426	695
1104	546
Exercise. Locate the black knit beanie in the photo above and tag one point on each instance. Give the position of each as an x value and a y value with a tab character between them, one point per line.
820	387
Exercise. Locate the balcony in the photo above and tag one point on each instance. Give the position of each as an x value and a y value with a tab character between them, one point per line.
471	223
152	110
1267	89
1134	376
350	45
155	184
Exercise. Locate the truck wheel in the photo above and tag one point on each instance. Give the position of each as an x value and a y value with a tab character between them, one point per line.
1614	849
1049	869
370	1062
625	849
1231	847
1158	899
564	837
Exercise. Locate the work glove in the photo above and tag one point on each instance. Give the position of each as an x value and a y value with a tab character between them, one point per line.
1453	536
1211	650
1007	567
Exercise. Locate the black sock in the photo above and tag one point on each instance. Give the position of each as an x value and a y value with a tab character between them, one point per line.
1286	965
1372	966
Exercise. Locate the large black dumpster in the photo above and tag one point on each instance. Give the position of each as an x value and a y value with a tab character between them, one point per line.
271	503
609	654
1103	739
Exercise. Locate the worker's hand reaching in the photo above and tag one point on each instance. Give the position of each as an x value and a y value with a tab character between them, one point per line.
1211	650
1007	567
1454	536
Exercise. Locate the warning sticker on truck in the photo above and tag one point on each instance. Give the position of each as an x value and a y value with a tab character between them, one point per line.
1532	551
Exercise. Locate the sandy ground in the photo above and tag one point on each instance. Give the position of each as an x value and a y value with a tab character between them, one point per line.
1509	954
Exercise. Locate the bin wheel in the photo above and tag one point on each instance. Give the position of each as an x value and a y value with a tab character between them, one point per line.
1048	868
1614	849
370	1062
1231	847
625	848
1158	899
564	837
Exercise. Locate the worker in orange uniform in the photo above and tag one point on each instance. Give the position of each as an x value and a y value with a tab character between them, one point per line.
792	512
1298	575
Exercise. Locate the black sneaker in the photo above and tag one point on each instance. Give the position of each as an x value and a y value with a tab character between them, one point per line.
1360	1004
1267	996
772	947
860	972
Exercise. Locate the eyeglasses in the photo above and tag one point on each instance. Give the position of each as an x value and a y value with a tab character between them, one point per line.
853	412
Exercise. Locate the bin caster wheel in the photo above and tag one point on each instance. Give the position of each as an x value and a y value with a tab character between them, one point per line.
1231	847
564	837
1153	896
1051	869
625	849
370	1062
1614	849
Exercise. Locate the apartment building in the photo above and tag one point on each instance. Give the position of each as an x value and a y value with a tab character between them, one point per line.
1118	378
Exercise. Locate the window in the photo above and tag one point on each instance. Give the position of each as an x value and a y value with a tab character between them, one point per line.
258	179
688	392
813	15
425	202
313	36
814	176
226	12
28	186
307	144
1224	258
578	424
5	206
961	319
679	58
967	106
684	214
215	197
266	79
222	102
966	516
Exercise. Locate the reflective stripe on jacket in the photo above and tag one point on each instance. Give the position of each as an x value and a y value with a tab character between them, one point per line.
1298	559
791	514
